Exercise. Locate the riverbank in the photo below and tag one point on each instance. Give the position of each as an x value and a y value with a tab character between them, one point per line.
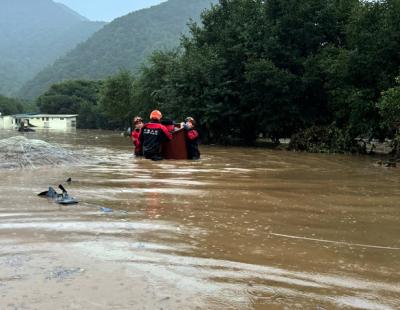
373	147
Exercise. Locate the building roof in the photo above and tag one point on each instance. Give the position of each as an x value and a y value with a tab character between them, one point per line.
44	115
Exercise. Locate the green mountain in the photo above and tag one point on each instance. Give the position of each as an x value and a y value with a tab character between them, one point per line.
124	43
33	34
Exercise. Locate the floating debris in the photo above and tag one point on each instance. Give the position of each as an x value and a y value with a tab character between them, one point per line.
60	273
17	261
20	152
106	210
391	163
63	198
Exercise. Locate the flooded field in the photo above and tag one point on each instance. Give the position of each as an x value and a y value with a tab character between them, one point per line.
240	229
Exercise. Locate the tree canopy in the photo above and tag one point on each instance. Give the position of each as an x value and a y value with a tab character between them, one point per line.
274	69
277	67
75	97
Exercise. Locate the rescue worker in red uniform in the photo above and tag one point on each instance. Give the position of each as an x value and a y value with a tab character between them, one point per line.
192	138
152	135
138	124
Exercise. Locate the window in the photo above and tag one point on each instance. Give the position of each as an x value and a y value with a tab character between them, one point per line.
47	118
61	118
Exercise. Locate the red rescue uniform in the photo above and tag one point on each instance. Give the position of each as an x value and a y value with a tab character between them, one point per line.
192	143
136	142
151	137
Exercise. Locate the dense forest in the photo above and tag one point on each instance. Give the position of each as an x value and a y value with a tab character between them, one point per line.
124	43
323	72
10	106
33	34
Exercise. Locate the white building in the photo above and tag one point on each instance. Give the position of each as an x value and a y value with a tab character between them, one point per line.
39	121
6	122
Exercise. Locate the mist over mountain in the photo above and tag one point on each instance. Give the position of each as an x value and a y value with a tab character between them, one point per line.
124	43
33	34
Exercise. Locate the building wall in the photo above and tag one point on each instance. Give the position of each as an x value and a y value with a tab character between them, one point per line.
7	122
36	121
60	123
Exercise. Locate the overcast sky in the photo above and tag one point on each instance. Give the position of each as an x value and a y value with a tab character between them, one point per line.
107	10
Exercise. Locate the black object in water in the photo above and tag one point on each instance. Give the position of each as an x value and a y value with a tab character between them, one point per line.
63	198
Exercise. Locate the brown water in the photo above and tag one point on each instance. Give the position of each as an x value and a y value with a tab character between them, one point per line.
240	229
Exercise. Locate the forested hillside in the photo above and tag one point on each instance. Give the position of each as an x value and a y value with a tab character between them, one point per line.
33	34
325	73
278	67
124	43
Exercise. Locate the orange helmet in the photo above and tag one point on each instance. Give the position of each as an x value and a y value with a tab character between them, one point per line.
156	115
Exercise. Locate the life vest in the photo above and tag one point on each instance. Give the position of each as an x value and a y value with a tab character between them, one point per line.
136	142
192	143
151	137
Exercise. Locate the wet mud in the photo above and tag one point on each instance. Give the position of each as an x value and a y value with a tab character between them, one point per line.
240	229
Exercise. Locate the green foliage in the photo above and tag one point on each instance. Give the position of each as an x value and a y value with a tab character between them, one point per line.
125	43
323	140
9	106
396	145
33	35
75	97
319	71
277	67
116	98
153	82
389	107
242	73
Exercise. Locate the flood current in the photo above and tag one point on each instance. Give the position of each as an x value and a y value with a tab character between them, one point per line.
240	229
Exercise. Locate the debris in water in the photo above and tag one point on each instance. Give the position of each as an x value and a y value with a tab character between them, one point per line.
63	198
17	261
60	273
106	210
391	163
20	152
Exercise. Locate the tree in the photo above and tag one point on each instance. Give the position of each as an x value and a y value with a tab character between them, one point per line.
150	88
116	98
74	97
389	107
9	106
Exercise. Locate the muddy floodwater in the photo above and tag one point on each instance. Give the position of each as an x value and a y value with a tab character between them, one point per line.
239	229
